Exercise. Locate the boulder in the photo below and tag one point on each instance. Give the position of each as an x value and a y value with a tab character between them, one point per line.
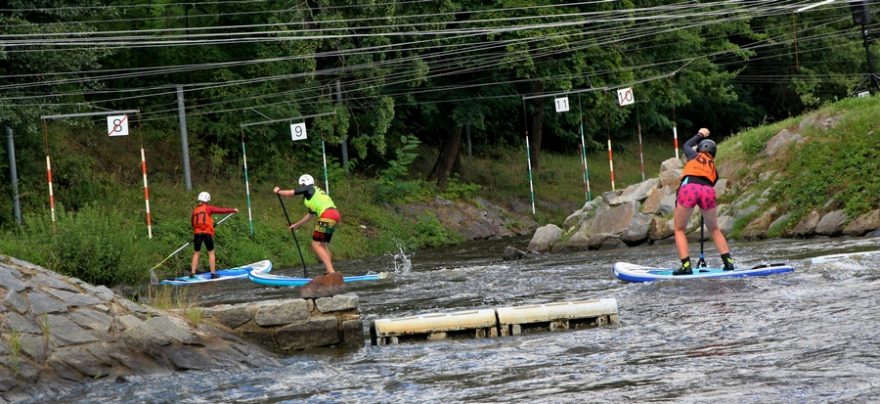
863	224
671	163
579	241
605	241
637	232
778	144
805	226
757	228
635	193
660	228
832	223
544	238
614	220
670	178
512	253
282	312
348	301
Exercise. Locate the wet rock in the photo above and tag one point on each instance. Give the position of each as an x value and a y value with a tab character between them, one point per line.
185	358
353	334
544	238
323	286
282	312
348	301
512	253
317	332
578	241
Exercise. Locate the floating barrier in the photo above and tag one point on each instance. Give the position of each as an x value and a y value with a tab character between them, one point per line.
437	326
488	323
557	316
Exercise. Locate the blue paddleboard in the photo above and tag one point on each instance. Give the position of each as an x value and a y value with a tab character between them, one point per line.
639	273
263	278
225	274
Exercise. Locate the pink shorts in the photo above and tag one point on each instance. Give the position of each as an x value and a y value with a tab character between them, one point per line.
690	195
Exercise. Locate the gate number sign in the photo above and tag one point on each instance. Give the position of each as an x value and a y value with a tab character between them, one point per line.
562	104
625	96
117	125
298	131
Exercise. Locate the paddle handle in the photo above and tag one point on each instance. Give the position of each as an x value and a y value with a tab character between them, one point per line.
293	232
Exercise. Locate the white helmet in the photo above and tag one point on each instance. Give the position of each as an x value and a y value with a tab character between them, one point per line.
306	179
204	197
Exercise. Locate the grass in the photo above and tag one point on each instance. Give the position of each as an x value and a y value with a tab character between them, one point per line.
835	164
14	343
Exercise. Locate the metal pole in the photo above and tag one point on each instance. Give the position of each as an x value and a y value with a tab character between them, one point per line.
467	132
146	187
586	170
184	139
531	184
13	175
49	174
344	140
873	74
326	179
641	148
247	185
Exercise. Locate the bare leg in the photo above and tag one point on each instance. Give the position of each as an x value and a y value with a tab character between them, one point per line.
682	214
212	261
195	262
710	217
323	253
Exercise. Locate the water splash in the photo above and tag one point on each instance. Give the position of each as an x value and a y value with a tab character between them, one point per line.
401	263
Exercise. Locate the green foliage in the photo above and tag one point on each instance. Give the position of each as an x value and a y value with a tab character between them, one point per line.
96	245
456	189
393	183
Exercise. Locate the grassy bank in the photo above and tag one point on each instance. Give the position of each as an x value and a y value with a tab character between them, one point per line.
834	168
101	237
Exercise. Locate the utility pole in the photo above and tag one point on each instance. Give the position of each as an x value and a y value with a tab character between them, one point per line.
344	140
13	175
184	140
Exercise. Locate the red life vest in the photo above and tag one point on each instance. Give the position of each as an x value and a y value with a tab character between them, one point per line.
701	166
202	222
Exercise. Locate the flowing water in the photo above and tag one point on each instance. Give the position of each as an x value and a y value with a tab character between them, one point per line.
807	336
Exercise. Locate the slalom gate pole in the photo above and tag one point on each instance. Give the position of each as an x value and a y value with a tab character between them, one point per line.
247	186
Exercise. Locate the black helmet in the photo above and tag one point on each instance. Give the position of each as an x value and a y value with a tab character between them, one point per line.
708	146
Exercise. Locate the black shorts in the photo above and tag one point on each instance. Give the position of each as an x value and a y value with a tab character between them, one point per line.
208	239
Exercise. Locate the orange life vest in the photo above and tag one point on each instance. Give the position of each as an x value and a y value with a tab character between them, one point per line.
701	166
202	222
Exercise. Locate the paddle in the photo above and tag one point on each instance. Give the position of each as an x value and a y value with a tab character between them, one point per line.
701	263
155	280
293	232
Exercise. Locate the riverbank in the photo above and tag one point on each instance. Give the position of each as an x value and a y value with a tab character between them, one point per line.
802	177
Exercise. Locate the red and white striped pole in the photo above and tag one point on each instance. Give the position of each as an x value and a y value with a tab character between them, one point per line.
51	192
675	138
611	163
146	194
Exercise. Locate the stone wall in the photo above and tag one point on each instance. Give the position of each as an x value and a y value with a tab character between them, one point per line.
290	325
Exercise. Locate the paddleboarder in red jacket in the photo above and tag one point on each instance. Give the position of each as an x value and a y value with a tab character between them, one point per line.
203	232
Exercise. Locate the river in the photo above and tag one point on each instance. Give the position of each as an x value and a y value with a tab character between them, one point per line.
807	336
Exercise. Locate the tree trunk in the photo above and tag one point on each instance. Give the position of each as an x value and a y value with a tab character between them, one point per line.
448	160
537	132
